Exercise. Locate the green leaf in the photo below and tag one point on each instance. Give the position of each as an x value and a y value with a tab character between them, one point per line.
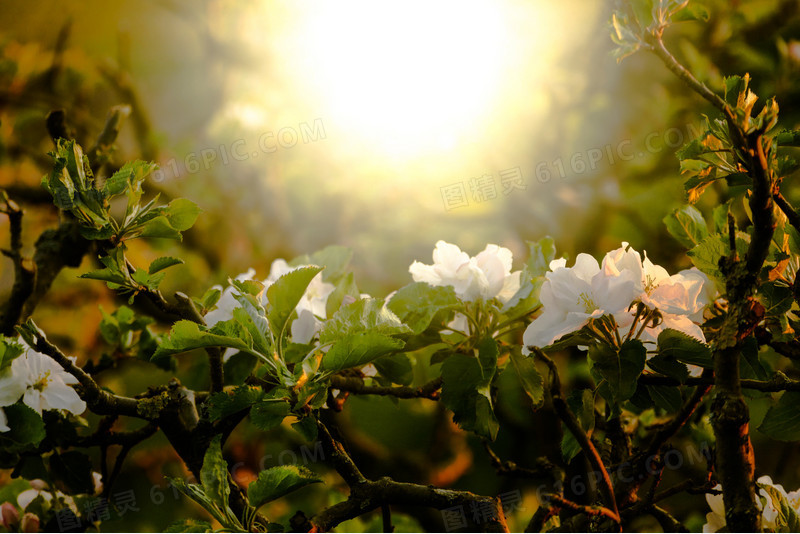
782	421
466	382
9	350
418	303
159	227
186	335
306	427
355	350
687	226
73	471
27	427
285	294
345	287
669	366
541	253
181	214
129	175
225	403
269	413
684	348
581	402
159	264
334	259
395	367
276	482
214	474
693	11
364	315
788	138
620	369
189	525
667	398
529	378
750	366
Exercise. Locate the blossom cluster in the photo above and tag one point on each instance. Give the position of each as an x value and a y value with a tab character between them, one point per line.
41	384
310	309
769	501
572	296
485	276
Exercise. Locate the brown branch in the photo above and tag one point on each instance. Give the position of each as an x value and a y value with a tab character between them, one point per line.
356	385
791	215
571	422
557	501
778	382
544	467
367	495
24	275
100	401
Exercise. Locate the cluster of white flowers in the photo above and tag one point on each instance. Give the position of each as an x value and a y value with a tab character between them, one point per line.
770	509
485	276
310	309
572	296
40	382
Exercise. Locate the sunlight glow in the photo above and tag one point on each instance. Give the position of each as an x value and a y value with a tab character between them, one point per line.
404	77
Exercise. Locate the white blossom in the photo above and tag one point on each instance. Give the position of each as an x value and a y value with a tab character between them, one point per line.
770	506
485	276
572	296
42	384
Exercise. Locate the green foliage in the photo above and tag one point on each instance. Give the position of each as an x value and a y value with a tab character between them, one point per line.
687	226
529	377
675	345
418	303
276	482
782	421
466	389
187	335
619	369
285	294
9	351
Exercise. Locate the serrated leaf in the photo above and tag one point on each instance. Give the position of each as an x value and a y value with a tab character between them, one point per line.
189	525
285	294
466	392
396	367
159	227
667	398
225	403
418	303
355	350
27	427
620	369
277	482
529	378
186	335
214	474
164	262
266	414
782	421
687	226
9	351
684	348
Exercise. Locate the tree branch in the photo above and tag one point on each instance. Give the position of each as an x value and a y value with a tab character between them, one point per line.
571	422
356	385
99	401
24	275
367	495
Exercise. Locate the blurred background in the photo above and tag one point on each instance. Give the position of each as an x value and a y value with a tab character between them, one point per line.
383	127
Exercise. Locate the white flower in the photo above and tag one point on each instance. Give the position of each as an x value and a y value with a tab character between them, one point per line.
485	276
41	382
227	302
680	298
39	487
572	296
770	506
3	422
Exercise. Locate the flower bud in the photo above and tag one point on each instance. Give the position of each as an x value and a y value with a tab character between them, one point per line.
8	514
30	523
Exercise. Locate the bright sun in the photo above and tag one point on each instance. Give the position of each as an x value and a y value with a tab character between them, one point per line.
403	78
